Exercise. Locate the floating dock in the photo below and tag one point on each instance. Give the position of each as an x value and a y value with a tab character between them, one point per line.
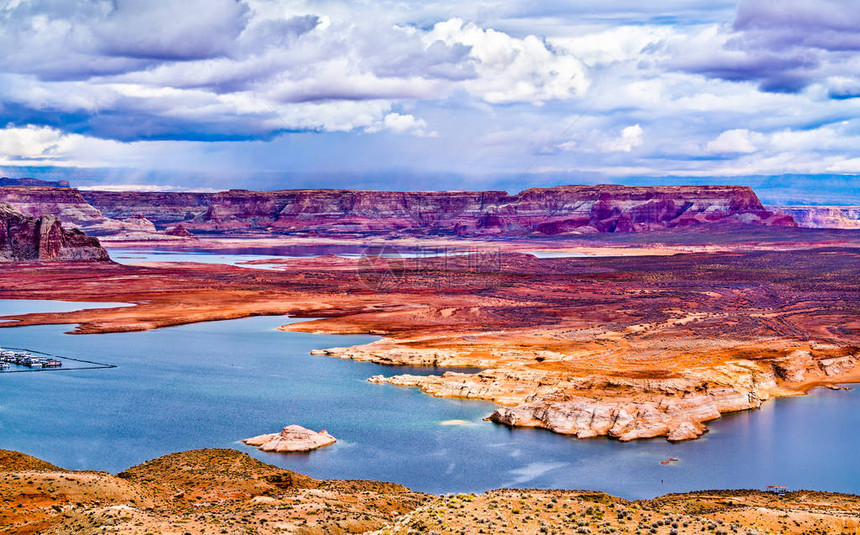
18	360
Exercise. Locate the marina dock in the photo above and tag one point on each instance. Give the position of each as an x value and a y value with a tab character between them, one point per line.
14	360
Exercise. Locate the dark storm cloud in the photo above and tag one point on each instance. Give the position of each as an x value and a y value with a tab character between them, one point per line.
825	24
786	45
186	30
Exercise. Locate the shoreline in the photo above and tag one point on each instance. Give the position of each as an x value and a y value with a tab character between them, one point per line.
581	408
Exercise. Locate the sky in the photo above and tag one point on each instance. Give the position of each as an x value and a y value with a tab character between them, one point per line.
466	94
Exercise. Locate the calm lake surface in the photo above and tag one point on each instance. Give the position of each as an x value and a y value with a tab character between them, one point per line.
213	384
236	257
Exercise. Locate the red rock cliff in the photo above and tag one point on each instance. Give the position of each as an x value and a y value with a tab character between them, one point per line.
548	211
43	238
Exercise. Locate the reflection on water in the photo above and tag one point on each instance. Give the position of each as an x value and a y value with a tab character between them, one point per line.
11	307
240	255
213	384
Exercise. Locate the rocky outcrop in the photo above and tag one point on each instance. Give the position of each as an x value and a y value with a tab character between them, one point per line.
292	438
43	238
179	231
625	408
839	217
546	211
676	418
65	203
75	212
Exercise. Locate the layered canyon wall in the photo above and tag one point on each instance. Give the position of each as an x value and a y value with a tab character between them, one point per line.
841	217
539	211
545	211
43	238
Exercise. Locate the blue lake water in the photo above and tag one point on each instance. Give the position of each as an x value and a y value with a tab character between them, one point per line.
213	384
238	257
9	307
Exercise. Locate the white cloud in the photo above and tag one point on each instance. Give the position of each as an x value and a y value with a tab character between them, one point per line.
623	43
849	165
732	141
402	124
630	138
45	146
32	142
513	70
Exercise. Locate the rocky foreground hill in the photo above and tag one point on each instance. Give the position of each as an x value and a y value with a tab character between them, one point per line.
539	211
225	491
43	238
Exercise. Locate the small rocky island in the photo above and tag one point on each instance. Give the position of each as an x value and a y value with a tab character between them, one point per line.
292	438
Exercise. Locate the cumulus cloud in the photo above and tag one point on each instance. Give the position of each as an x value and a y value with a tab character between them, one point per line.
623	43
732	141
31	142
510	69
630	138
847	165
144	69
187	30
402	124
42	145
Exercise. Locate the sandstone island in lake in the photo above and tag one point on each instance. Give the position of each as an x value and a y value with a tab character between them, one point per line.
293	438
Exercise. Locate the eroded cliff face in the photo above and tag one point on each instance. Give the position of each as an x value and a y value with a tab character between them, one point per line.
163	209
65	203
43	238
840	217
546	211
70	206
617	405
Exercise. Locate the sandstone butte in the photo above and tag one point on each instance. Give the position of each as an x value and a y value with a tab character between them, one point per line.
226	491
43	238
292	438
539	211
